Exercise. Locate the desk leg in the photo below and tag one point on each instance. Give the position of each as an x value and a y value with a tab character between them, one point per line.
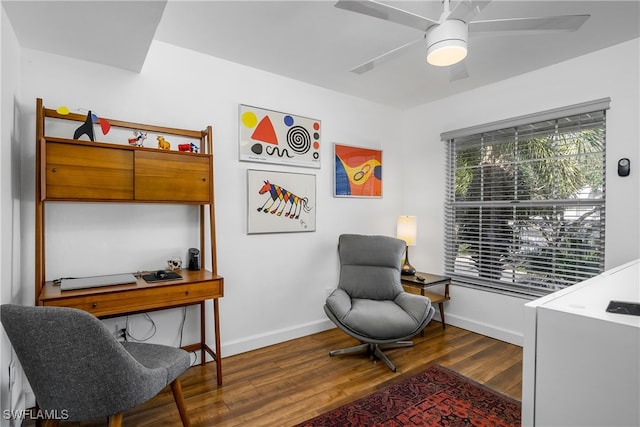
203	334
216	325
441	306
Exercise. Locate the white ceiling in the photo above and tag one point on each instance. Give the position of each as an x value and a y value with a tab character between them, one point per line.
315	42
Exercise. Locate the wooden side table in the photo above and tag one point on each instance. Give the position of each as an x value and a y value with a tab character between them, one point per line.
415	285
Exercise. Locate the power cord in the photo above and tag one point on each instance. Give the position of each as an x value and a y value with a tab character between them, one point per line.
154	329
127	333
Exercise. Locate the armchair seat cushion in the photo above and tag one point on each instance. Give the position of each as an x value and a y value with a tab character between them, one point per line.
173	361
391	321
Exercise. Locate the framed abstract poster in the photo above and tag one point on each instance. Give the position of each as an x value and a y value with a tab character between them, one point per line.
358	172
280	202
267	136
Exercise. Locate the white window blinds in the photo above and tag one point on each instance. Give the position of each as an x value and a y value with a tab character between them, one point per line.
525	204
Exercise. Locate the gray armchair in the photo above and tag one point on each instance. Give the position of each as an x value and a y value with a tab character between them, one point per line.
369	303
79	371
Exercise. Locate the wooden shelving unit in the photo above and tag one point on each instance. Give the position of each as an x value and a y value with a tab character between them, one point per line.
70	170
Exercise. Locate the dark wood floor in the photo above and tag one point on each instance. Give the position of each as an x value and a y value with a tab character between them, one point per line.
288	383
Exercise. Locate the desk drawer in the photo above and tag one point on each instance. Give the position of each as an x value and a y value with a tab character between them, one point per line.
142	299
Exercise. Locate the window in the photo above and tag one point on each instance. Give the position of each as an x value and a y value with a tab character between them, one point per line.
525	201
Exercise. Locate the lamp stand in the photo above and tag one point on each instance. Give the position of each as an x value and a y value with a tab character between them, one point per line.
407	269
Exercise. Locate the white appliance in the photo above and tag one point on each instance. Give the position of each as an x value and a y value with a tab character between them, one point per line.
581	364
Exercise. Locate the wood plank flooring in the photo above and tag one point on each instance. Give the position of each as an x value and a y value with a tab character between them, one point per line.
287	383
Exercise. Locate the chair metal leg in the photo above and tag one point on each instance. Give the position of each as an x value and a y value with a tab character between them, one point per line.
350	350
398	344
384	358
374	350
378	352
176	388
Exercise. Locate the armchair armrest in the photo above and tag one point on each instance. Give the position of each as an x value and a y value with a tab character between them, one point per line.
339	302
416	305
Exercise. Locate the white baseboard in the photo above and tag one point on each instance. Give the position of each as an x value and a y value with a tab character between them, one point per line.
486	329
254	342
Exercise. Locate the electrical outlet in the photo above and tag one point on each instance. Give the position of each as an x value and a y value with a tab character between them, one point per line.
121	330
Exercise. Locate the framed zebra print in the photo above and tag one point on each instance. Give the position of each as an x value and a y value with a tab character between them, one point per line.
267	136
280	202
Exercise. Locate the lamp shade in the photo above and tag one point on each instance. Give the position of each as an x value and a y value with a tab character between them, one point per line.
407	229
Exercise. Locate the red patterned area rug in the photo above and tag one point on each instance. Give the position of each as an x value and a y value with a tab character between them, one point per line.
435	397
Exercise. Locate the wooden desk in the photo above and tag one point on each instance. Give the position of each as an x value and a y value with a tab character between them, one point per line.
413	285
195	287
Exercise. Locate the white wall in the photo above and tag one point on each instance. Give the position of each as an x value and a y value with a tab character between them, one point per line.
611	72
10	280
274	284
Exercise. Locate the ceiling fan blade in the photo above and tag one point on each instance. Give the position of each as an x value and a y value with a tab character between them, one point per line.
531	25
458	71
371	64
386	12
466	10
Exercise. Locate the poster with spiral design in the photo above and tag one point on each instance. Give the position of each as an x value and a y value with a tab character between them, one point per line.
268	136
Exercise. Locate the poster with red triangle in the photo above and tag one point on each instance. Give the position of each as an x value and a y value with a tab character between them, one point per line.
268	136
264	132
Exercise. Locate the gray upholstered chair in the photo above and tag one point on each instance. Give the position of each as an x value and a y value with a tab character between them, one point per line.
79	371
369	303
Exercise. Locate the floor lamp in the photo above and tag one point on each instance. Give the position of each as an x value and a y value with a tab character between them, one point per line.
407	230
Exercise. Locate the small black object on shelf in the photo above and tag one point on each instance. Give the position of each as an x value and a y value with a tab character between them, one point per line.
194	259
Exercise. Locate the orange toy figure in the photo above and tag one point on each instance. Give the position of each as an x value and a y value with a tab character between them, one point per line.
163	144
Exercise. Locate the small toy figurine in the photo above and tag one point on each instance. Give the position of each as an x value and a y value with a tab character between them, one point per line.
175	263
138	141
191	148
163	144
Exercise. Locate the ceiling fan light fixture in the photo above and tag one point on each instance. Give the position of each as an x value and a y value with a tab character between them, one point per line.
446	53
447	43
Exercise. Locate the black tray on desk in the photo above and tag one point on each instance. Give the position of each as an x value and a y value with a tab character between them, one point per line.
161	276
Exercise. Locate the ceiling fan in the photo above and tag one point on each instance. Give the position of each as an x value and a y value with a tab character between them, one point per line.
446	38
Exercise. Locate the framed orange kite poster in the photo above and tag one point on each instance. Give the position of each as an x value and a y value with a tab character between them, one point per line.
358	172
268	136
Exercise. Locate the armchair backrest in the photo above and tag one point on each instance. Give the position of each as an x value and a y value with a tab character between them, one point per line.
370	266
73	363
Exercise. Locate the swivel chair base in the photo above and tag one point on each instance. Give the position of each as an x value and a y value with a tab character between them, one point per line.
373	350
